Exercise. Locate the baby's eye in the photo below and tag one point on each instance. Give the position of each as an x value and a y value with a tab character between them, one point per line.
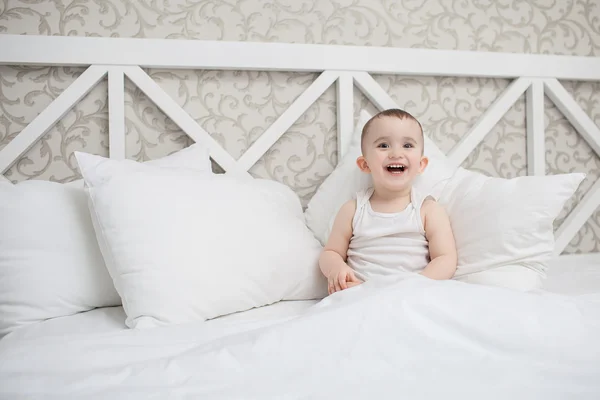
408	145
383	145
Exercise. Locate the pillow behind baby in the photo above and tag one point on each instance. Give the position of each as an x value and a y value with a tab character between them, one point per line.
346	179
504	228
183	247
50	262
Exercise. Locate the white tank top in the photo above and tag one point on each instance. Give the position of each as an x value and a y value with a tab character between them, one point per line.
387	243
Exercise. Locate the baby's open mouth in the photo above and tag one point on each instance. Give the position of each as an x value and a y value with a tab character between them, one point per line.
396	168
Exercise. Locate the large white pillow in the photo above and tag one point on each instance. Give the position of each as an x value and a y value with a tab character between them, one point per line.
346	179
50	263
504	228
182	246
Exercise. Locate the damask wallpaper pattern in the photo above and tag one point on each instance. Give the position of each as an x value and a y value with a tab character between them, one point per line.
236	107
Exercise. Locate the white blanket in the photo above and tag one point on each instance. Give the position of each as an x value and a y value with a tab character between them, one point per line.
406	339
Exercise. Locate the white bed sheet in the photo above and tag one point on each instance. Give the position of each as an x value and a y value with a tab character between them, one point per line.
414	338
438	339
574	274
577	274
112	319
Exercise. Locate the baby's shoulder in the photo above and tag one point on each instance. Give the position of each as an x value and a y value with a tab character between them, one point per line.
347	209
429	203
432	212
429	207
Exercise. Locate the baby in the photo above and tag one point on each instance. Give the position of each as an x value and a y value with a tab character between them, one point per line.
391	227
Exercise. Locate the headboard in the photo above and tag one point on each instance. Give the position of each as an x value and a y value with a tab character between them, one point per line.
345	67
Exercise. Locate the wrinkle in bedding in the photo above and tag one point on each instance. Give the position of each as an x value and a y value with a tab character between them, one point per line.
413	338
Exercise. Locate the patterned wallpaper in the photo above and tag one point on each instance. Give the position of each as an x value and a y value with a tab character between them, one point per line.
235	107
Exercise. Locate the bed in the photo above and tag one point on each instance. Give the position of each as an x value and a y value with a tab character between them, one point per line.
108	317
574	276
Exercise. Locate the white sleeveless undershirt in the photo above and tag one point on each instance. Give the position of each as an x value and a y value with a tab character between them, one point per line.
384	244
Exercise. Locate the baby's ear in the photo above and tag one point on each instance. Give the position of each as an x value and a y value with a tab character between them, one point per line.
362	164
424	163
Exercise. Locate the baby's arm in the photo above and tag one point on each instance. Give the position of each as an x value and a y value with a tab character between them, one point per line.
442	247
333	258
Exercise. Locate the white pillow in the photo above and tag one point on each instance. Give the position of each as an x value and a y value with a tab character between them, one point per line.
504	228
185	247
346	179
50	263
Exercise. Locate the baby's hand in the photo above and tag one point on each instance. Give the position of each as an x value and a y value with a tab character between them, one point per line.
342	278
352	284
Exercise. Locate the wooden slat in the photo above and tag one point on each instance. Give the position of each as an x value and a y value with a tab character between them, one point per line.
591	134
375	93
577	218
75	183
182	118
116	113
247	55
536	146
49	116
345	112
488	120
573	113
287	119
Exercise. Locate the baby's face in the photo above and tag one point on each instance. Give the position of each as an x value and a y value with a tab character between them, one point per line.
393	152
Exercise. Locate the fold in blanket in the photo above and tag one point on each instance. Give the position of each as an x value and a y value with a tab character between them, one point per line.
412	338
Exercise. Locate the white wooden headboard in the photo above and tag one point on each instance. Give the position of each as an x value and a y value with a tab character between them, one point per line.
345	66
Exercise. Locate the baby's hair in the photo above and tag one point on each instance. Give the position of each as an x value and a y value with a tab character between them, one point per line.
391	112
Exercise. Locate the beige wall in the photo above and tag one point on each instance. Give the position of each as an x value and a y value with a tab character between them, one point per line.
236	106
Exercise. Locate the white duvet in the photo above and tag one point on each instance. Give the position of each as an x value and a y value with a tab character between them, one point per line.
407	339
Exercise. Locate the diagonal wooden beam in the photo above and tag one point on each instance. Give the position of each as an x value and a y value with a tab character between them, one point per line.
577	218
180	117
590	132
50	116
287	119
573	113
488	120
